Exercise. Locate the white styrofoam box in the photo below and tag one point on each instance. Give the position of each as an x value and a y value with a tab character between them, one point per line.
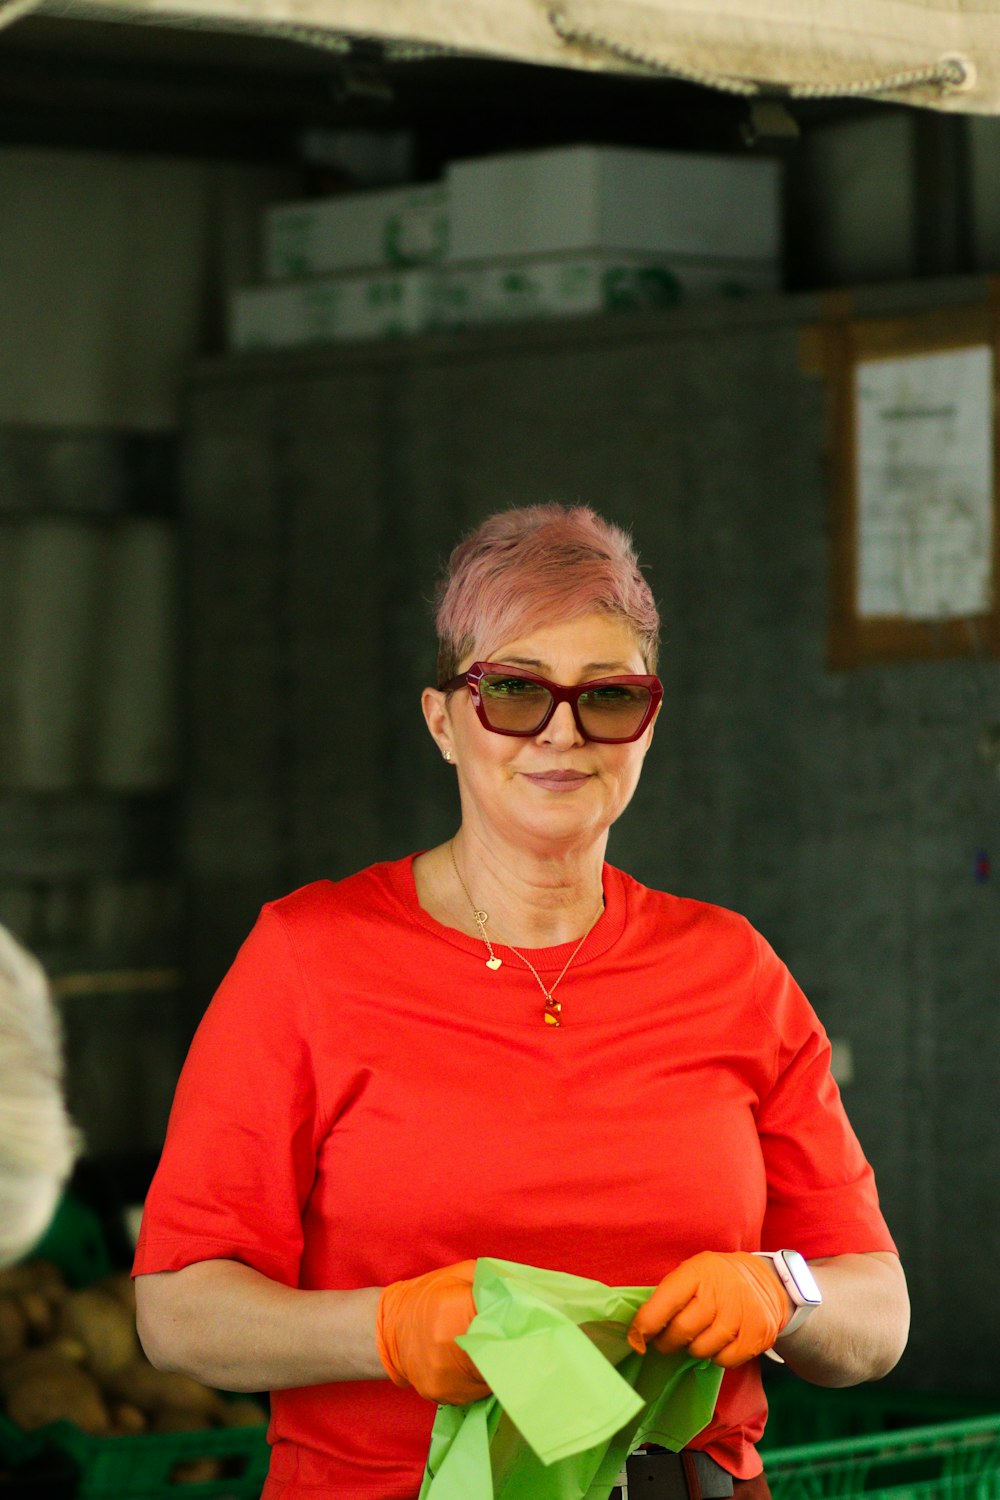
294	315
552	287
599	198
394	227
297	315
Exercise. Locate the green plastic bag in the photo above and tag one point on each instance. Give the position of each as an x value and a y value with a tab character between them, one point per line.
571	1398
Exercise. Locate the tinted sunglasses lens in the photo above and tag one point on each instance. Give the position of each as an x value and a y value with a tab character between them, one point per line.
513	703
614	712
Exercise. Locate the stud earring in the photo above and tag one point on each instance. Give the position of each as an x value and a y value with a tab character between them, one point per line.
447	755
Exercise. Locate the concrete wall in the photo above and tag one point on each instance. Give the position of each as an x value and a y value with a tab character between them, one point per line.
841	812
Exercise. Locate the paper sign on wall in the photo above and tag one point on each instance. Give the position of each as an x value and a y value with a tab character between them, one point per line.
925	485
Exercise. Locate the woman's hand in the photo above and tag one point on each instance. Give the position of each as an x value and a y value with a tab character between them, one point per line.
731	1307
724	1306
415	1329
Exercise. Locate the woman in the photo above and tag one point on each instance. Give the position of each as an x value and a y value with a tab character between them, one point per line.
503	1046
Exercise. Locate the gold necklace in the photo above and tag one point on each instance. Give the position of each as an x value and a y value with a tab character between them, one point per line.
553	1008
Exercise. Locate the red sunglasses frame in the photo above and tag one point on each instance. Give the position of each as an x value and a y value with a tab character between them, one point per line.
571	695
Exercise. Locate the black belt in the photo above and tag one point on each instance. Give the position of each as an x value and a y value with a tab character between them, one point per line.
688	1475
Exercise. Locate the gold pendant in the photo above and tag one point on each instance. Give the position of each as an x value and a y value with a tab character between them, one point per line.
494	963
552	1012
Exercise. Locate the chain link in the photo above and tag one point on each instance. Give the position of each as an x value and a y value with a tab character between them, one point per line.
948	73
582	37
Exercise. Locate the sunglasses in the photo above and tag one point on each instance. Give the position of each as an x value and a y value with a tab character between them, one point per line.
610	710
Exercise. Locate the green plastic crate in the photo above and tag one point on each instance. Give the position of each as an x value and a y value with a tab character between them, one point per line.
802	1413
148	1466
17	1447
942	1461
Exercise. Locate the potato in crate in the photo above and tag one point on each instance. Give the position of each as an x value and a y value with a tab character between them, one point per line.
76	1386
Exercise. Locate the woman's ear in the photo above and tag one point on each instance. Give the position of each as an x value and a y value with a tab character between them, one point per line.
435	707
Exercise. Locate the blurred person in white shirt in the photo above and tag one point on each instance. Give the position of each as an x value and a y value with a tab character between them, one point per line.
38	1142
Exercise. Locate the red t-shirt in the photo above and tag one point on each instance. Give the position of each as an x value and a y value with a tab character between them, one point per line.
364	1100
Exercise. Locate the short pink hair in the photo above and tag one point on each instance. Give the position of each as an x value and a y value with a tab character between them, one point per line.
530	566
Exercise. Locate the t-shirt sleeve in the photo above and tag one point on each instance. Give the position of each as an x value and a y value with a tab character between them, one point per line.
240	1151
821	1194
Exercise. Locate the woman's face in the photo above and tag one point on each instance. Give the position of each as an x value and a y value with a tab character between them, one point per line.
556	787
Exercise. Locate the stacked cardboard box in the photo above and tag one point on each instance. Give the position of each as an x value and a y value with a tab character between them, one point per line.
578	229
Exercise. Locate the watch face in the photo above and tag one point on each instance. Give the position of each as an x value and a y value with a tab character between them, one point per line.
804	1279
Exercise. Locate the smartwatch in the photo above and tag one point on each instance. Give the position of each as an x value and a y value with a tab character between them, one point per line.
798	1281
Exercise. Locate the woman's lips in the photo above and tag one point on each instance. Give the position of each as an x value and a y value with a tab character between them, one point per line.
557	781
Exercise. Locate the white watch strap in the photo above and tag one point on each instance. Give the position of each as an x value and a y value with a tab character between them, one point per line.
801	1310
797	1319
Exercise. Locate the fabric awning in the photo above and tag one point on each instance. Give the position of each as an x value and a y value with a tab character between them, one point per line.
940	54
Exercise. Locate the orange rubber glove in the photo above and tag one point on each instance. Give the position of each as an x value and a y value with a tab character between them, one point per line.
416	1325
726	1307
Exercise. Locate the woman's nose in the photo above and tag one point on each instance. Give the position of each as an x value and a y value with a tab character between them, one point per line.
562	729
